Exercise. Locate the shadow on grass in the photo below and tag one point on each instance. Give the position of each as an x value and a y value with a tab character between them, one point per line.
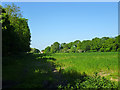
25	70
37	71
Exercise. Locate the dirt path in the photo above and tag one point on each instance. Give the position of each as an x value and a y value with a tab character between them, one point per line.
114	79
103	74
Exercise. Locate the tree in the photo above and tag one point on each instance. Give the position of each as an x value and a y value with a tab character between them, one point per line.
21	27
96	44
34	50
104	44
109	44
69	45
105	38
47	49
75	43
8	34
13	11
73	49
78	49
107	49
15	31
86	45
62	45
55	47
102	49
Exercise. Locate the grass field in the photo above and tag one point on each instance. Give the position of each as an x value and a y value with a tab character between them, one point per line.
60	70
105	63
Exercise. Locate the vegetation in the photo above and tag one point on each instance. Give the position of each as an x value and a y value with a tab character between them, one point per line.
34	50
61	66
102	62
15	31
104	44
45	71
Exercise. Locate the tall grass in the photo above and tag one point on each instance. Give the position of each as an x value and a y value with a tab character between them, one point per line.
89	63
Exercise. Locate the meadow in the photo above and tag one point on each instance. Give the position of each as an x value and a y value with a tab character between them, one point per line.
61	70
104	63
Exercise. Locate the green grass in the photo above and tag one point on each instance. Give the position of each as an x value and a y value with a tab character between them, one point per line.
104	62
27	70
72	70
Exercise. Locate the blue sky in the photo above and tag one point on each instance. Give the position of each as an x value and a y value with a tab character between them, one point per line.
66	22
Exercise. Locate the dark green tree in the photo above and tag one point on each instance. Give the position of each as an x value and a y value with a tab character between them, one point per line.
78	49
15	31
62	45
8	35
55	47
34	50
86	45
47	49
96	44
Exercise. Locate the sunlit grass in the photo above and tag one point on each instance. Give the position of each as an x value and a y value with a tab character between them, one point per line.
88	62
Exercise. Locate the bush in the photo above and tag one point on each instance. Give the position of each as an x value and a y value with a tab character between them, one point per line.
73	50
90	82
113	50
118	49
107	49
34	50
101	49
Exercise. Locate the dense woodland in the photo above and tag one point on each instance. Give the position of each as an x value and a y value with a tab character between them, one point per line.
104	44
15	31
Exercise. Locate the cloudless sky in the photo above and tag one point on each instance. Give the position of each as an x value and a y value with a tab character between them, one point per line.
69	21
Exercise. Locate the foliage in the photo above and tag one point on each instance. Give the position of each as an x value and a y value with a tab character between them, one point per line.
47	49
73	49
15	31
55	47
104	44
32	70
34	50
102	49
90	82
118	49
89	62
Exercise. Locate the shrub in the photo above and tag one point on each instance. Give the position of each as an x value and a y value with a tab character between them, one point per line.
107	49
118	49
90	82
101	49
34	50
113	50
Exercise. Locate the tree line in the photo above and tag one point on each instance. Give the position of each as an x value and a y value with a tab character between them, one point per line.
104	44
16	37
15	30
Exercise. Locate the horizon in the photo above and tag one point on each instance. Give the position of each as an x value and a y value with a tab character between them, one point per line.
69	21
